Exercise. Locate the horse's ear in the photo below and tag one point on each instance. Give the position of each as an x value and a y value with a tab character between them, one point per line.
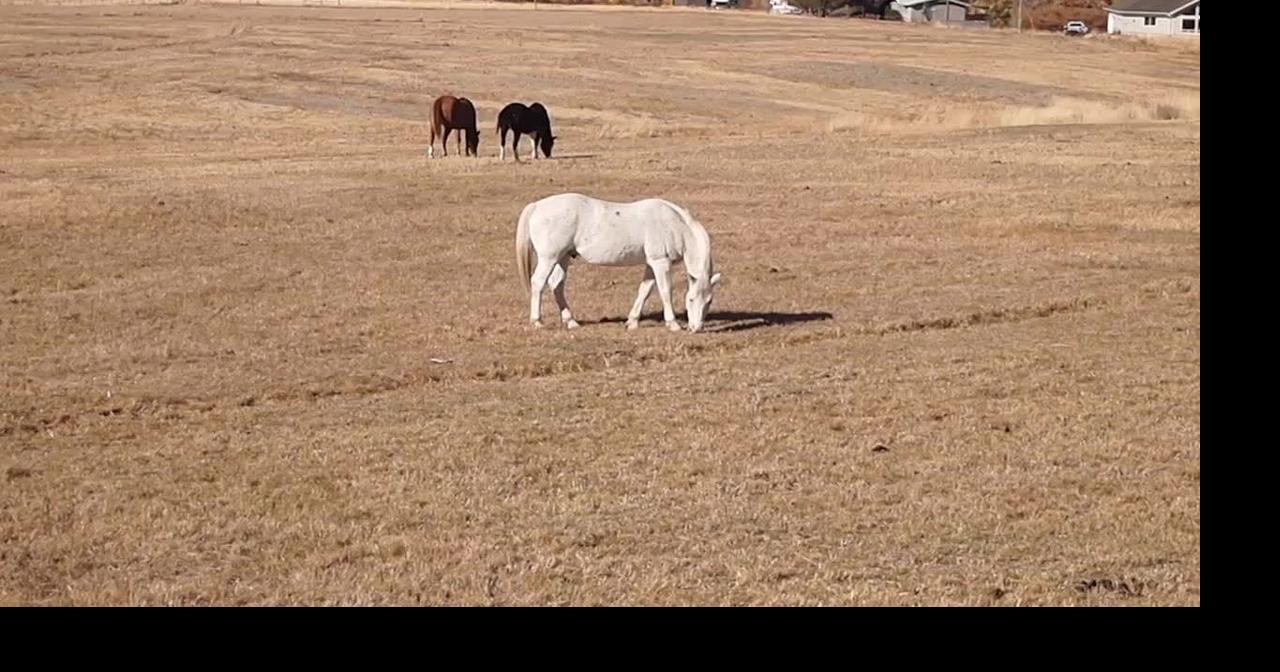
715	280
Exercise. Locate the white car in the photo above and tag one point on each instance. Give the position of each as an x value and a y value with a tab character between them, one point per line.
783	7
1076	28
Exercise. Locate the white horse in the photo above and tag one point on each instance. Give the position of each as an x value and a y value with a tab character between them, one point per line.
652	232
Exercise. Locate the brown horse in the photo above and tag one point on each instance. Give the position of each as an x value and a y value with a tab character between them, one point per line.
450	114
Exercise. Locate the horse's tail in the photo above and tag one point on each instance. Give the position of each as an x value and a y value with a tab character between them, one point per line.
524	250
437	118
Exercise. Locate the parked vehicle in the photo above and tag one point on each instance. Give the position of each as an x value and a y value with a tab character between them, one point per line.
1076	28
783	7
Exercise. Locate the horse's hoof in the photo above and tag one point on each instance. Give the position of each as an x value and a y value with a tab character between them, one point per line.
536	324
673	326
572	324
632	325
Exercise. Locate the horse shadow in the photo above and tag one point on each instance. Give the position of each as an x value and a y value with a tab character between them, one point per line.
734	320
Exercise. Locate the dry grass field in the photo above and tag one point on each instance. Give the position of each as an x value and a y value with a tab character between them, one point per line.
955	359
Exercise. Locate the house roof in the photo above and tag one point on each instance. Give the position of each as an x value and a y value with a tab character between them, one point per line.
917	3
1164	7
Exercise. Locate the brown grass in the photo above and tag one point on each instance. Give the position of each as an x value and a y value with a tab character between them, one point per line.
956	358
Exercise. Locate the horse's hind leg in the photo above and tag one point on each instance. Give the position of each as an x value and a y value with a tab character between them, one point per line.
502	143
460	134
646	288
431	149
515	144
662	273
444	144
559	278
536	285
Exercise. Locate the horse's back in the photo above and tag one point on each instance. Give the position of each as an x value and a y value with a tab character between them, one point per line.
590	204
525	118
538	117
454	112
571	209
511	113
464	113
444	104
608	232
440	109
569	202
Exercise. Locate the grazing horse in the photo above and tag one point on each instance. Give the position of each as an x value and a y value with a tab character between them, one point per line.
653	232
449	114
532	121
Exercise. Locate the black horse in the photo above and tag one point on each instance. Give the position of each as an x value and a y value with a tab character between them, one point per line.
521	120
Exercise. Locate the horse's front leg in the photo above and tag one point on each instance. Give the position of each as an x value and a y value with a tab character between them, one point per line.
533	142
646	288
662	274
559	278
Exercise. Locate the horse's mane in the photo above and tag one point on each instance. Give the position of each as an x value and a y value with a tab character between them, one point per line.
699	232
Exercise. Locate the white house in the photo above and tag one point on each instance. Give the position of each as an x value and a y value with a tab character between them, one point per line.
1154	17
921	11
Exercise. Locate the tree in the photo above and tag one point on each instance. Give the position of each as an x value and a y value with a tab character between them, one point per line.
825	7
879	7
819	7
1000	12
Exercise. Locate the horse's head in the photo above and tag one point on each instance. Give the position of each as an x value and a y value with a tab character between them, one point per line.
548	141
697	300
473	142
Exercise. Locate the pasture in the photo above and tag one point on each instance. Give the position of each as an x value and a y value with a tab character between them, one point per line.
256	348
